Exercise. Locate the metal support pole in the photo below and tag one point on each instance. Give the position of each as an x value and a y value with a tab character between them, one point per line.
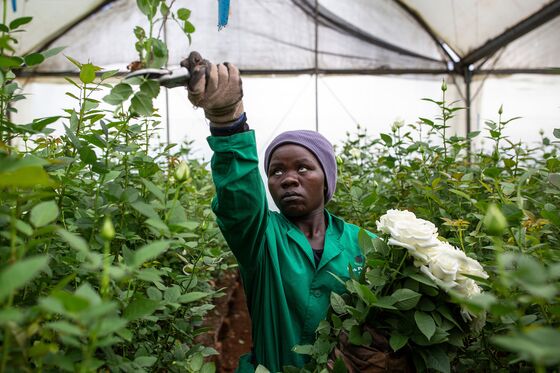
468	79
316	66
166	90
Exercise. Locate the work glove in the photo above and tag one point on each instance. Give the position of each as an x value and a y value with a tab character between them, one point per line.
215	88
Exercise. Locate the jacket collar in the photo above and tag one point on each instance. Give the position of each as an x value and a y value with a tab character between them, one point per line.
332	247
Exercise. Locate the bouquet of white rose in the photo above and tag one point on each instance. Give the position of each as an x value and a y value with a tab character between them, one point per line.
445	264
404	308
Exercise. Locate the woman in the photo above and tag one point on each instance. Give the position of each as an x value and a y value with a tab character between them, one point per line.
287	259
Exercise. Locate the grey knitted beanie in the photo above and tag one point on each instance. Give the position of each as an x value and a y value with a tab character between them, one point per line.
318	145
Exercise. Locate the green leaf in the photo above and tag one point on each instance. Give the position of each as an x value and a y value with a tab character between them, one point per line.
71	302
365	293
172	293
425	323
150	88
34	59
164	9
183	14
140	307
108	74
26	177
538	345
188	28
387	139
43	213
356	337
10	61
209	367
386	303
423	279
155	190
406	299
141	104
148	252
10	315
52	52
111	325
556	133
160	53
18	274
113	99
147	7
75	242
40	123
20	22
473	134
192	297
23	227
145	361
426	120
436	358
74	62
158	224
303	349
145	209
338	304
87	155
339	366
87	73
397	341
365	242
65	327
554	179
122	90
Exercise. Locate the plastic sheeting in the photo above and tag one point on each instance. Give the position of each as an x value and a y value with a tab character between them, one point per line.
50	18
358	35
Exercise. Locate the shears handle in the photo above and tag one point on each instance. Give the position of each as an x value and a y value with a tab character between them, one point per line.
167	78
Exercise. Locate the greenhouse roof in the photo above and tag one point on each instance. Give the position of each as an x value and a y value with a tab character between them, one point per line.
326	36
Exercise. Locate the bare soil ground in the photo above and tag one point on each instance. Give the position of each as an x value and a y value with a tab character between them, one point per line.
230	324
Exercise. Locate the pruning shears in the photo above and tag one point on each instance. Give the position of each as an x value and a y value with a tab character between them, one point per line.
167	78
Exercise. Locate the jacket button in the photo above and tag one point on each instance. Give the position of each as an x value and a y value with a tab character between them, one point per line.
316	293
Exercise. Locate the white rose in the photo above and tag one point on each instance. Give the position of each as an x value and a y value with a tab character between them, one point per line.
444	264
468	287
469	266
393	217
355	153
422	255
442	284
408	231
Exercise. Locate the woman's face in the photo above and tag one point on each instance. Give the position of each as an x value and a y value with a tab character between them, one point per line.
296	181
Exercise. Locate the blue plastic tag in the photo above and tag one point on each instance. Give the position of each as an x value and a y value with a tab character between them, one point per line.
223	13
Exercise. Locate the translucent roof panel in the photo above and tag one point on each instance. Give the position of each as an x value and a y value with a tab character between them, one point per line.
539	49
467	24
378	20
50	18
264	35
271	36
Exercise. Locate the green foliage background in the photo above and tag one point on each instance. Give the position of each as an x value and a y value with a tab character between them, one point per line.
500	206
108	248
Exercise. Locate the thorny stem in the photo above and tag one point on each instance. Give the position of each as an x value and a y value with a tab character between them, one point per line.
444	117
106	265
164	20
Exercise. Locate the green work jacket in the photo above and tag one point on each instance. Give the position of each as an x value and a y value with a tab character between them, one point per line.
287	294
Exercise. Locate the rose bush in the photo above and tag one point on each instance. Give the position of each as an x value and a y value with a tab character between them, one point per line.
445	264
499	204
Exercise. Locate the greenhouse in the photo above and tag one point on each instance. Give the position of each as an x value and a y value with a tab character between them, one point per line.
328	186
